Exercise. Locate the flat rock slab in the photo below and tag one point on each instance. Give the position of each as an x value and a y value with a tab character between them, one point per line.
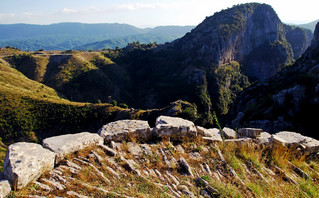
249	132
229	133
5	188
294	139
213	134
173	127
125	130
65	144
25	162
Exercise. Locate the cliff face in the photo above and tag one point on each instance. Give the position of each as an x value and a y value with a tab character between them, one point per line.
251	34
287	101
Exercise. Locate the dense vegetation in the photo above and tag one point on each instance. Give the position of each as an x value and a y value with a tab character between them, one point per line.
65	36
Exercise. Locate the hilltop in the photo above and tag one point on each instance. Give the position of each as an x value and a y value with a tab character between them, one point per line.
208	67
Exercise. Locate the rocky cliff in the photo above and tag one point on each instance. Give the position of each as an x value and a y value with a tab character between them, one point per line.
251	34
127	158
287	101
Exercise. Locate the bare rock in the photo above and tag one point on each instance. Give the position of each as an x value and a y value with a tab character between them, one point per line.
185	168
184	189
229	133
109	151
5	188
175	128
43	186
240	140
264	138
57	185
134	149
293	139
75	194
249	132
208	188
65	144
180	149
25	162
146	149
125	130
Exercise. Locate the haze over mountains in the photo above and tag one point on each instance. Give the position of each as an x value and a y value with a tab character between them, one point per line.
65	36
209	67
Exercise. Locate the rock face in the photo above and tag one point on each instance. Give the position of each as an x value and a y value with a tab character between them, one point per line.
25	162
287	101
64	144
170	127
124	130
251	34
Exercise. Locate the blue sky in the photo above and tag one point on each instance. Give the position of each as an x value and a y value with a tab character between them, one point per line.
141	13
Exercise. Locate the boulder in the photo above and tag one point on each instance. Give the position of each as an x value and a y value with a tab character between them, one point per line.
125	130
293	139
5	188
174	128
249	132
213	133
65	144
264	138
25	162
229	133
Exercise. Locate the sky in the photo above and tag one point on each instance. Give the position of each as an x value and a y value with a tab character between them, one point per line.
141	13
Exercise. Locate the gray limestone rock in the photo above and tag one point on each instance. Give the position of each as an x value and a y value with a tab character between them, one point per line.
173	127
25	162
134	149
5	188
265	138
293	139
210	135
229	133
185	167
125	130
65	144
249	132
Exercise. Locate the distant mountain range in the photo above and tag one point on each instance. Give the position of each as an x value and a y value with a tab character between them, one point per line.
311	26
64	36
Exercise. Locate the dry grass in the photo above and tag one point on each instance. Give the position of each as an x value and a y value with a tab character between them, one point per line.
236	155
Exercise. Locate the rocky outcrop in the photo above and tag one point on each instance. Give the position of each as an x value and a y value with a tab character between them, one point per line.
64	144
197	149
125	130
295	140
286	102
299	39
173	127
251	34
25	162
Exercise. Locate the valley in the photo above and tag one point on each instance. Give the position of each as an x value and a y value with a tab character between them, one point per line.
223	109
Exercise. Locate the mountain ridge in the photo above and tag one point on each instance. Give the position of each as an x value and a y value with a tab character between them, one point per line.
287	100
65	36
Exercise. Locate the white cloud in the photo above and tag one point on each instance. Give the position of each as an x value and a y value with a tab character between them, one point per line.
139	6
67	11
